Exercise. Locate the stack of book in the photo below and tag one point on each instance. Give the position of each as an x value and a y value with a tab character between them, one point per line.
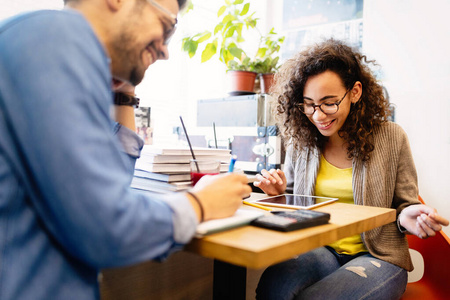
166	169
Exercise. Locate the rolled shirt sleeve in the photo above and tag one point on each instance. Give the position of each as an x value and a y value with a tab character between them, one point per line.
184	218
130	140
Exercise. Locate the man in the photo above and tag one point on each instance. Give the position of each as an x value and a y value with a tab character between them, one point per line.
66	209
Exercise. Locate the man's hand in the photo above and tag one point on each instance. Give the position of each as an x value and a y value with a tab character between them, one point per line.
221	195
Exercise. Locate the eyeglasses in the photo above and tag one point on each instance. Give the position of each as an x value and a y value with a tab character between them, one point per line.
170	17
327	108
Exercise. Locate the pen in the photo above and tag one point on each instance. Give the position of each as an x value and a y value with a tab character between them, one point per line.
232	162
189	143
256	205
215	138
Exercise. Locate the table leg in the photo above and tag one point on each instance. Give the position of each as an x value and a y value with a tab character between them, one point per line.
229	281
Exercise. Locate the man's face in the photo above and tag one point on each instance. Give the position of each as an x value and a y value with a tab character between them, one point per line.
140	37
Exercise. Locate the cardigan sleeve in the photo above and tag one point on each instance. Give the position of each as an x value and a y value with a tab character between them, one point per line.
406	186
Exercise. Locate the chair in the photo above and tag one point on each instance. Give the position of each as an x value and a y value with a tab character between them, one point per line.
430	278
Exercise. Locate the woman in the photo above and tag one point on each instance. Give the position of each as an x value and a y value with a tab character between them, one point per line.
334	119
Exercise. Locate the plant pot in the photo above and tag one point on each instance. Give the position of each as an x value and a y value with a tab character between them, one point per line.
241	81
266	82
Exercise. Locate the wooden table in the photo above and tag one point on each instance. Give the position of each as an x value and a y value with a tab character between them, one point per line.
251	247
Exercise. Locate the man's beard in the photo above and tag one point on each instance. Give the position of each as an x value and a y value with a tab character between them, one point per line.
125	61
136	76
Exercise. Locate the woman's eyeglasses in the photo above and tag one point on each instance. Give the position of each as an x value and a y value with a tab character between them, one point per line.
327	108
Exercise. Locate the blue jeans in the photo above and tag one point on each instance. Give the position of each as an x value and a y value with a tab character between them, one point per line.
325	274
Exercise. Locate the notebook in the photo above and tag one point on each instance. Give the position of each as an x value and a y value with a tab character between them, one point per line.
242	217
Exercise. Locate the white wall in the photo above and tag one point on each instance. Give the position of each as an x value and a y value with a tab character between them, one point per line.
411	41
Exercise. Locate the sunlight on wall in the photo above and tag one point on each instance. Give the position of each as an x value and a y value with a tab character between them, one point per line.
171	88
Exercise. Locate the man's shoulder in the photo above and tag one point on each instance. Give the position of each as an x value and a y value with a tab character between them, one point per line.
59	28
41	19
45	36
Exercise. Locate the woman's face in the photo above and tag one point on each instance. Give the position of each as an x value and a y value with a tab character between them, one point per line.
327	88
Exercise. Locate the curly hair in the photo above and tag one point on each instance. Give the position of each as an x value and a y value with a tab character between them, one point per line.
365	116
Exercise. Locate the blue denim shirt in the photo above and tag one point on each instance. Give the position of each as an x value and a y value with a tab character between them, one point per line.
66	209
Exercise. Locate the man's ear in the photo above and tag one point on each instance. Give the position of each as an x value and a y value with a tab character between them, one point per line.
115	4
356	92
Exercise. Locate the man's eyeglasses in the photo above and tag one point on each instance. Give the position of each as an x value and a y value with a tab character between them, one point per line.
327	108
170	18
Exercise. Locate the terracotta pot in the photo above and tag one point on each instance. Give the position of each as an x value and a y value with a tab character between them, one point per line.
266	82
241	81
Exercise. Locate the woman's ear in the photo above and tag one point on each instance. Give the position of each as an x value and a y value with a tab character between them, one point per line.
356	92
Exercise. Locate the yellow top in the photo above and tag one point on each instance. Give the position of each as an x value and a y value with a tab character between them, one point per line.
334	182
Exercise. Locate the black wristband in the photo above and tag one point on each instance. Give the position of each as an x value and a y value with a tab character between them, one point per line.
124	99
199	204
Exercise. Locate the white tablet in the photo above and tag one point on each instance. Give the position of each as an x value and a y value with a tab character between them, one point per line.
296	201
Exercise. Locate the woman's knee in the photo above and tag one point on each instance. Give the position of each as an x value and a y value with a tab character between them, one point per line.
286	279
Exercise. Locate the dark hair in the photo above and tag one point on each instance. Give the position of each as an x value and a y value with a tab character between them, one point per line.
365	115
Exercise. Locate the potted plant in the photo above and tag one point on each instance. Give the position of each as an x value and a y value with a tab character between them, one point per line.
227	40
266	61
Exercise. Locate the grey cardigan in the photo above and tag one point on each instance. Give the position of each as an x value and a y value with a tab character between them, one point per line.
388	179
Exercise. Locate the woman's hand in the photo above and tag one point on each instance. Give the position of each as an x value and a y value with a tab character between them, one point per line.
272	182
422	220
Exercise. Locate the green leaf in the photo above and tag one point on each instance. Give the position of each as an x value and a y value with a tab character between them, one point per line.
246	61
190	46
239	29
209	51
228	18
238	2
227	56
245	9
229	33
261	52
221	10
275	61
251	22
205	37
236	52
232	64
226	27
218	28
